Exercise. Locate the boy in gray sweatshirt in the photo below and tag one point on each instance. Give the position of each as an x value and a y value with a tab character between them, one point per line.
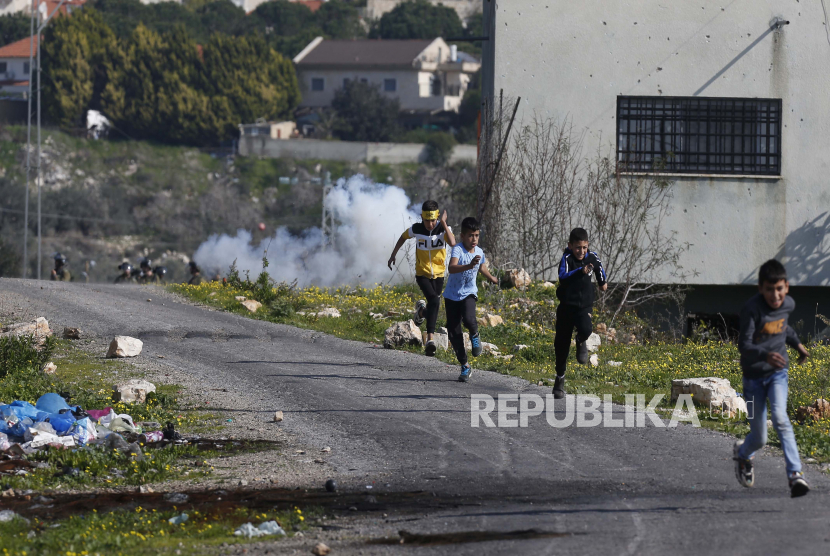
763	343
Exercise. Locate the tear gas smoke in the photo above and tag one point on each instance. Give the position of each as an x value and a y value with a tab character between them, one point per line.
369	218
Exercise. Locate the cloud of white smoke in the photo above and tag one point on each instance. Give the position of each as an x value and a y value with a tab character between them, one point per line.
369	218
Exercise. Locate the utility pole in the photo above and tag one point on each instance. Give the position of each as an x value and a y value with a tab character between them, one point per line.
28	144
328	216
40	28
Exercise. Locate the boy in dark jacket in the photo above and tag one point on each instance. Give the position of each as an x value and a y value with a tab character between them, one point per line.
765	335
576	299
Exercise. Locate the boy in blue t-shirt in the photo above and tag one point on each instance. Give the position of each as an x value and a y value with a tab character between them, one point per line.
460	294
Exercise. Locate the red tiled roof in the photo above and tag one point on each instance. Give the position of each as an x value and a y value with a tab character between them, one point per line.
19	49
312	5
367	52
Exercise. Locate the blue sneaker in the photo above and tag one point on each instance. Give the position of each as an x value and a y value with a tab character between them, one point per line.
476	343
466	371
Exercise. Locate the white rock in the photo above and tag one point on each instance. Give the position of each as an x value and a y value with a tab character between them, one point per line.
487	347
490	320
520	347
252	305
50	368
594	360
712	392
125	346
329	312
548	285
520	278
442	341
278	416
39	328
133	391
468	345
593	342
401	334
240	298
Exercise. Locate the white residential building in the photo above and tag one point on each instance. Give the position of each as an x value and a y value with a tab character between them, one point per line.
732	94
424	75
14	67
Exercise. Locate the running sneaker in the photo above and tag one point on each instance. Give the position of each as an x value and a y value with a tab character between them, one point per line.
466	371
421	305
559	388
581	352
431	348
475	341
798	486
743	467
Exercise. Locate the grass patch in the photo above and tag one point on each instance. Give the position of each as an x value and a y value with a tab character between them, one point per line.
87	381
141	531
529	318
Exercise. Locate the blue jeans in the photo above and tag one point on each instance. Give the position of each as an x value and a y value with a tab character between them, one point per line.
756	393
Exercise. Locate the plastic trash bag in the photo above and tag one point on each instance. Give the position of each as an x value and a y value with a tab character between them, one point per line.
61	422
179	519
118	422
37	429
83	431
18	416
4	442
52	403
268	528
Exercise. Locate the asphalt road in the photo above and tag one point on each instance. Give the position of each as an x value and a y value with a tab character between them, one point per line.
402	423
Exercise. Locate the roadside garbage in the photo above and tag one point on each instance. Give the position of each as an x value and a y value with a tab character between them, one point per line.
152	436
179	519
268	528
7	515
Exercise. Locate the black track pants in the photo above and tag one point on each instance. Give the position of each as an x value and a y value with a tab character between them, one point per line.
432	289
458	312
569	317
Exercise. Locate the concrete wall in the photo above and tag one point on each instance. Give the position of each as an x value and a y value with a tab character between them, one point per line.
345	151
570	60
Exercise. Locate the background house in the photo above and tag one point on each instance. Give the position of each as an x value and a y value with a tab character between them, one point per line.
426	76
14	68
735	90
465	8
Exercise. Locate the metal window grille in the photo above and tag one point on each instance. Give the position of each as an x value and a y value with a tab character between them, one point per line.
699	135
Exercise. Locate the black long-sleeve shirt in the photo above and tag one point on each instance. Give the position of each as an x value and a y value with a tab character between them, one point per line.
575	287
764	330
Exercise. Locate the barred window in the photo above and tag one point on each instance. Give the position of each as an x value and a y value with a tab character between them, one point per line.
699	135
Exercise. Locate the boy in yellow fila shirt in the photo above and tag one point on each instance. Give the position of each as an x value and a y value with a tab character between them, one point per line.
432	238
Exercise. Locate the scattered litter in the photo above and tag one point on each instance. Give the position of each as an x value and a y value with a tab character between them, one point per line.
331	485
179	519
268	528
615	363
277	416
326	449
7	515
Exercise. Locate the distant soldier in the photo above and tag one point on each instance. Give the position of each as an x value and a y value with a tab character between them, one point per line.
59	273
126	276
161	274
147	276
195	274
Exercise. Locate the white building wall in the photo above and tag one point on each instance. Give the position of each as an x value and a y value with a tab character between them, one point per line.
570	60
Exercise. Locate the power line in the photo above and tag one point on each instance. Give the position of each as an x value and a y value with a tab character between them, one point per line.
64	216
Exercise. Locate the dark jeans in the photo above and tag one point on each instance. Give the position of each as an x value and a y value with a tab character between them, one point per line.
458	312
432	288
569	317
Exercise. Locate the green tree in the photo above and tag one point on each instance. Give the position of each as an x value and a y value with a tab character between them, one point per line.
418	19
14	27
339	20
439	148
78	52
282	18
364	113
257	81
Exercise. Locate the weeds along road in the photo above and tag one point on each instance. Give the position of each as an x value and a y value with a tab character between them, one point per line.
402	423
